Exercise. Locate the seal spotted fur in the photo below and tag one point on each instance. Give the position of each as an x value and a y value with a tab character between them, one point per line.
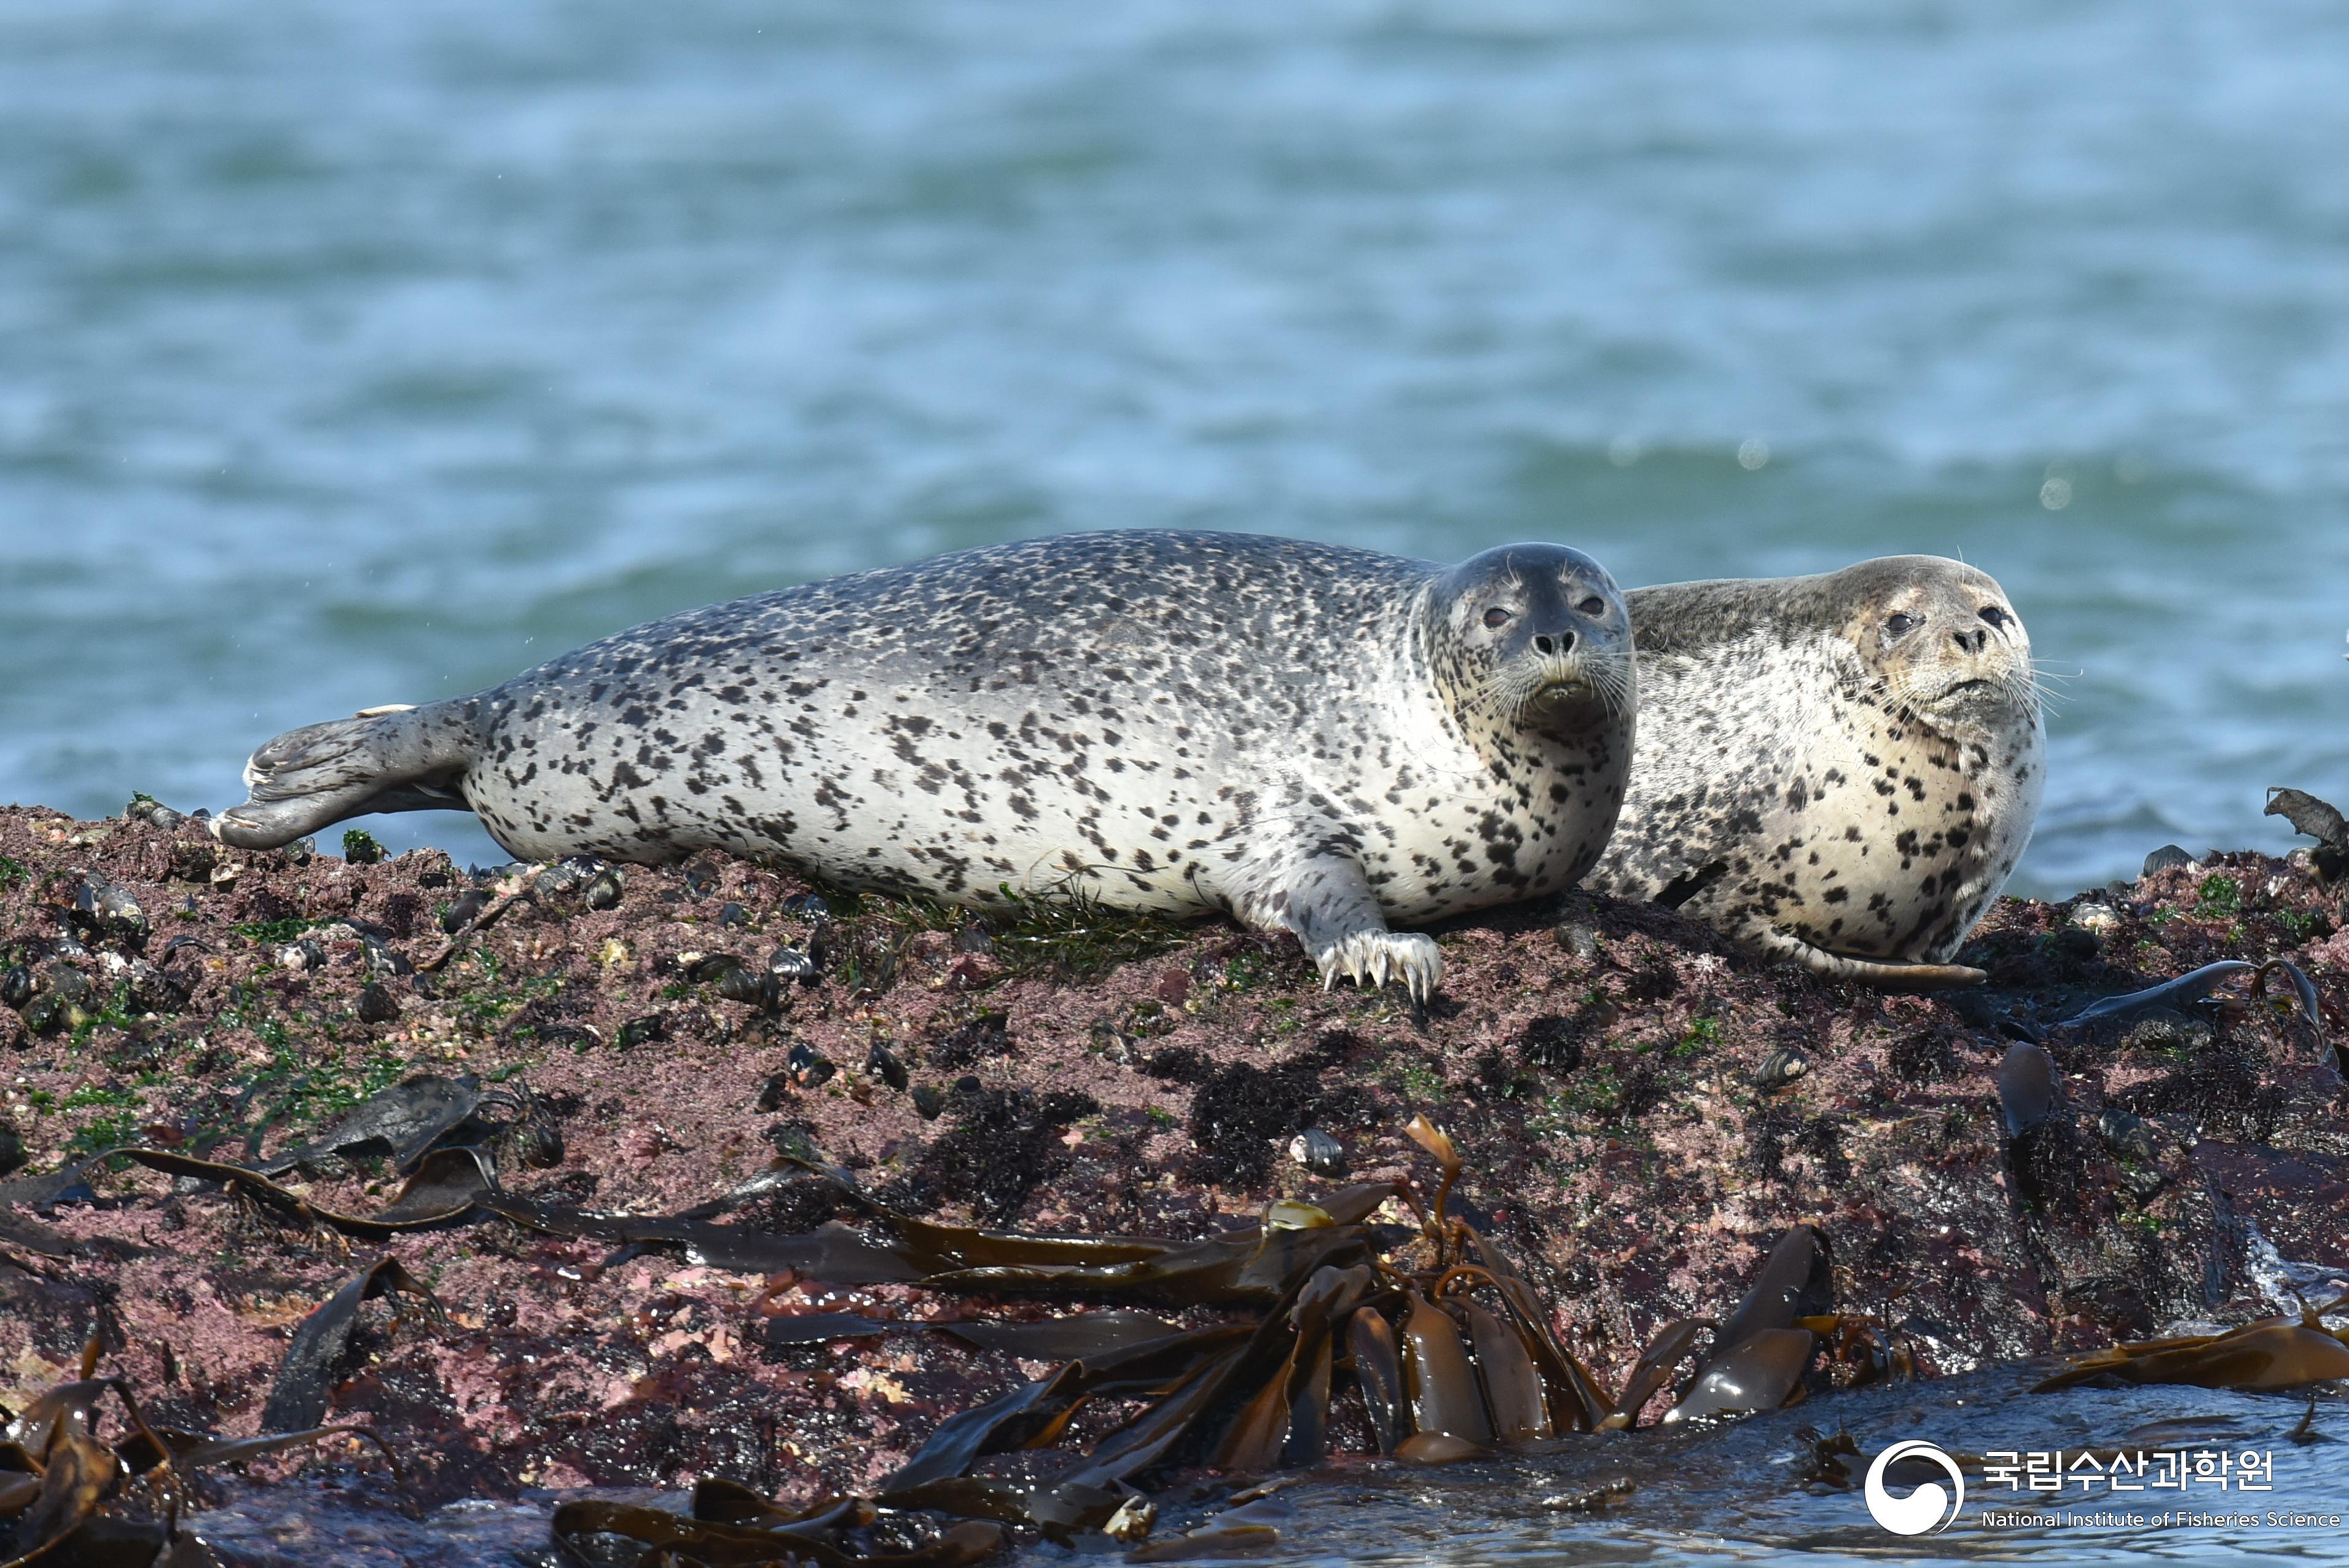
1839	770
1314	738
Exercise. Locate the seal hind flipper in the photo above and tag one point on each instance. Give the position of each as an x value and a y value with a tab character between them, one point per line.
385	760
1877	973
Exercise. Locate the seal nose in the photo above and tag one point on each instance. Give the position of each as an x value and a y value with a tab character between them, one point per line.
1553	643
1972	642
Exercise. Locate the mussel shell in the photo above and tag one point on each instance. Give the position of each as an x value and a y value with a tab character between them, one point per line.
789	964
1318	1152
569	872
885	1067
741	984
808	1067
604	888
1781	1068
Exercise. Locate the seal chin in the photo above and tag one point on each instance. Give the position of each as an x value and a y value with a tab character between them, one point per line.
1567	701
1985	700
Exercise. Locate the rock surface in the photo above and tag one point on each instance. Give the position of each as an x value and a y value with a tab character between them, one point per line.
1642	1113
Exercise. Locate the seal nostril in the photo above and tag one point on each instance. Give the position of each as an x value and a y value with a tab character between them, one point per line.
1564	641
1542	644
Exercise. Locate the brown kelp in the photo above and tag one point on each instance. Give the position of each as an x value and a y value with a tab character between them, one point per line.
1450	1350
70	1496
2288	1351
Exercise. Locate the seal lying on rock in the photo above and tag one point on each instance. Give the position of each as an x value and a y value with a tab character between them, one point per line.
1316	740
1839	770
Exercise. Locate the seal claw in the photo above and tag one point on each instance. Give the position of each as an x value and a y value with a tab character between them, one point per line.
1376	958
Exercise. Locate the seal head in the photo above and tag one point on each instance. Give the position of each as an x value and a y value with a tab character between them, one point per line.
1536	635
1840	769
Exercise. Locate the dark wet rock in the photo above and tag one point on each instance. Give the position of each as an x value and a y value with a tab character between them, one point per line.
2167	857
376	1005
975	1038
2077	943
1004	1144
1239	1113
2029	1087
1179	1065
2164	1030
1601	1098
1577	939
1553	1043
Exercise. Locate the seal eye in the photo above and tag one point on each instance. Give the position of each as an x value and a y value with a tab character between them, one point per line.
1994	615
1594	606
1899	624
1496	617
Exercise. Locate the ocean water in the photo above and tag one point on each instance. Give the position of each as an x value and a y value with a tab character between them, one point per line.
353	355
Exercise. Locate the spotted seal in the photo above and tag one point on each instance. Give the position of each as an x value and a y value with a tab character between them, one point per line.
1839	770
1312	738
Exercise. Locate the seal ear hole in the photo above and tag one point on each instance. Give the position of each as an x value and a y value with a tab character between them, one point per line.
1496	617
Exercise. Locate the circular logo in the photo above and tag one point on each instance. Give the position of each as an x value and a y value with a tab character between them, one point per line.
1929	1507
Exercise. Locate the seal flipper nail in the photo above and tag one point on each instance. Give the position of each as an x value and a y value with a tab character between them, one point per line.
1841	770
1884	976
1168	722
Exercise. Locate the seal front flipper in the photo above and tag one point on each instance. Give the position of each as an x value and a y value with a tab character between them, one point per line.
384	759
1325	900
1772	942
